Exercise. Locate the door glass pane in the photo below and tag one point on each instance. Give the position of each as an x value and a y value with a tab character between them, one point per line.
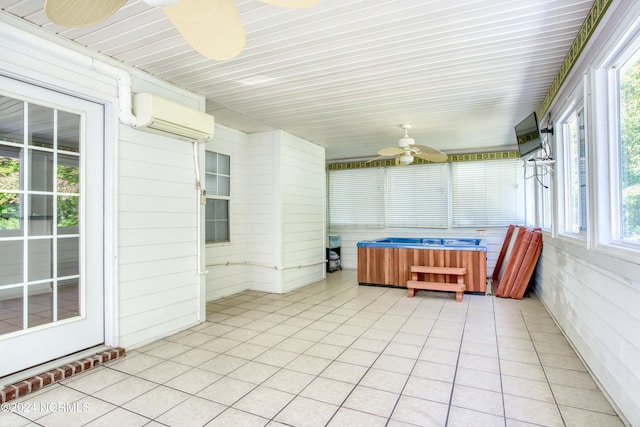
10	218
11	262
68	215
68	299
40	215
11	119
68	174
40	259
68	256
10	168
10	310
40	168
40	307
68	131
40	132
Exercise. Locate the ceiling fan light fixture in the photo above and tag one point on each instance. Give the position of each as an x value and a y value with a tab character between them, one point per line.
406	159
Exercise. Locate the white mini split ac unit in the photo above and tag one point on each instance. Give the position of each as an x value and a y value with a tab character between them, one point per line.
161	115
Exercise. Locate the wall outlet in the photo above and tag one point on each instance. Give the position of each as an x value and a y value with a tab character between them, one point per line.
481	232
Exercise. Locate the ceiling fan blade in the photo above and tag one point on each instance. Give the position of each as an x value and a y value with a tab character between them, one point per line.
80	13
432	157
293	4
429	153
391	151
212	27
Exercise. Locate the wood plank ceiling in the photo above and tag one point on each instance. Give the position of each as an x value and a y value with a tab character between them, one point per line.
346	74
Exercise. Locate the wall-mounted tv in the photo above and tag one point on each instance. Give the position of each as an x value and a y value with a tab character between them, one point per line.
528	135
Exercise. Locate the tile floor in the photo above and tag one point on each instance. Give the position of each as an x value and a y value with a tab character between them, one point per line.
338	354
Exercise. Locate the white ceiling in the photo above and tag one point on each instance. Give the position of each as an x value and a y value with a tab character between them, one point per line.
345	73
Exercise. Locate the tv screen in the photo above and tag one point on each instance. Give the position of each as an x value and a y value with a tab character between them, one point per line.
528	135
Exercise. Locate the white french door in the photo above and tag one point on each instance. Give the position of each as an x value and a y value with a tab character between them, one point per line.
51	225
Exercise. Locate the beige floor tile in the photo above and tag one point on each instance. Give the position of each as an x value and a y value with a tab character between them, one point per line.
519	355
532	411
305	412
477	400
570	377
76	413
226	391
563	362
419	412
576	397
575	417
522	370
403	350
247	350
254	372
241	334
367	344
439	356
327	390
346	372
163	372
220	345
346	417
235	417
401	365
193	412
156	401
193	380
384	380
372	401
223	364
462	417
289	381
169	350
479	363
134	364
338	339
194	357
530	389
424	388
118	417
267	339
326	351
125	390
358	357
434	371
443	343
479	379
194	339
276	357
308	364
91	381
263	401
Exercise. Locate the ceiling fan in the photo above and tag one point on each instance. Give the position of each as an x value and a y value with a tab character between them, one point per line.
212	27
407	150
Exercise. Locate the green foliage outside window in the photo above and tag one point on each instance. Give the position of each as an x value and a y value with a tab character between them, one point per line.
630	150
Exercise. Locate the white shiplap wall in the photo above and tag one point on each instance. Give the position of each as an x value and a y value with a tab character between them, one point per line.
157	233
303	213
594	298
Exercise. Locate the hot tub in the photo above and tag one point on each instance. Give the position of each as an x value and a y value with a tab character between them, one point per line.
388	261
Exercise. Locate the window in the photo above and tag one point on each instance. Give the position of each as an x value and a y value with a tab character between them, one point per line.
487	193
472	194
575	176
356	197
218	187
628	151
418	196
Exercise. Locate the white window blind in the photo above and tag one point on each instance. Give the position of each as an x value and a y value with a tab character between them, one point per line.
356	197
487	193
418	196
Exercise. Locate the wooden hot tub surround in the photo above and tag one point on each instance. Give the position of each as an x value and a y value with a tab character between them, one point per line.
388	261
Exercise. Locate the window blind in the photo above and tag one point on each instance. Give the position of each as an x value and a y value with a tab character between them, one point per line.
487	193
356	197
418	196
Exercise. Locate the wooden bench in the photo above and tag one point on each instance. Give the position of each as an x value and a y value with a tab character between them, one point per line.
415	284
